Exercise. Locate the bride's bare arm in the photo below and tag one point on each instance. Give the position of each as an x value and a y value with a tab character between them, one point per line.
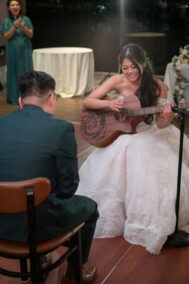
165	118
95	99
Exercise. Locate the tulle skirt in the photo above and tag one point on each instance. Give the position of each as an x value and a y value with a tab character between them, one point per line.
134	182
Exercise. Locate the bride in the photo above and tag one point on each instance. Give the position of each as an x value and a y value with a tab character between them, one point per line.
134	179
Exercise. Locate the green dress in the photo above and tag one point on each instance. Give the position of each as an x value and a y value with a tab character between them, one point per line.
19	56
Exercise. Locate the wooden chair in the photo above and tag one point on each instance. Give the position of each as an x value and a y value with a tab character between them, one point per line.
24	196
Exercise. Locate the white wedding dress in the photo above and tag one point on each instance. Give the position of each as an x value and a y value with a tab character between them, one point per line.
134	182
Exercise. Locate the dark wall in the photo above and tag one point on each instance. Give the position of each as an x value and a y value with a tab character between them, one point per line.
105	28
73	29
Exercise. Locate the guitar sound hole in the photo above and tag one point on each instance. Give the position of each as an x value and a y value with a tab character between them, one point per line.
121	116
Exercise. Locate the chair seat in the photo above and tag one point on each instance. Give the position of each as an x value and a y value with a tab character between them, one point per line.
25	196
22	249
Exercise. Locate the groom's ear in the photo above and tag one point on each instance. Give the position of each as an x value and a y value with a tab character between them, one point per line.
20	102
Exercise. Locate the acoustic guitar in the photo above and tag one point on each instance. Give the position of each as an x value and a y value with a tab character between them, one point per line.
101	127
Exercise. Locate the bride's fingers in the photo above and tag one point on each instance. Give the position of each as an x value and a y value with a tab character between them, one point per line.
167	108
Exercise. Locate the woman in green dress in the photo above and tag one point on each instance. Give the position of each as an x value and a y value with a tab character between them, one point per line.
18	30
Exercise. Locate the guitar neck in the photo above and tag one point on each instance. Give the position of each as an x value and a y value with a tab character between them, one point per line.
153	109
144	111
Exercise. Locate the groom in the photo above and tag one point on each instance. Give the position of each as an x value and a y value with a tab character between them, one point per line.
34	143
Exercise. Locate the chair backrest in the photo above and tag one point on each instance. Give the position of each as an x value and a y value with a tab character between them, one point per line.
13	195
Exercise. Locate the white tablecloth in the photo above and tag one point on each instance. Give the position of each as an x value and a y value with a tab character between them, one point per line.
71	67
170	77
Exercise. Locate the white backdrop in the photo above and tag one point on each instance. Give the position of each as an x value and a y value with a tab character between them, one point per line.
170	78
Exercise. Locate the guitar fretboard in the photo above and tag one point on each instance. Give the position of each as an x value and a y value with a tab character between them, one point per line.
153	109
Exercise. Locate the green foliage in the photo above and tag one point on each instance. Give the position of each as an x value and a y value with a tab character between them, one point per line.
181	81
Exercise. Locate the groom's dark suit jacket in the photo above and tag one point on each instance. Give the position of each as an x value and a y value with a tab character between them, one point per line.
34	143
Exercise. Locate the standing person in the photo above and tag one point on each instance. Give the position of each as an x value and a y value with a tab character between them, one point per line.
134	179
34	143
18	30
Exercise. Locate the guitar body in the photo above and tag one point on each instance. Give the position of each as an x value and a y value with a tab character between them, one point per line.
101	127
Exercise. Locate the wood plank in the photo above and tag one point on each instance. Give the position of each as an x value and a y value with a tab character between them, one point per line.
4	106
105	255
141	267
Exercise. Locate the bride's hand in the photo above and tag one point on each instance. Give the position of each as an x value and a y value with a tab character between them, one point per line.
167	108
167	111
116	105
166	117
16	23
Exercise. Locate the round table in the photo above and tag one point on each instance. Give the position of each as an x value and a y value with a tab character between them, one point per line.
71	67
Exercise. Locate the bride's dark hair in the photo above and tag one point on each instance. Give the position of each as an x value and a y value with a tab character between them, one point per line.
149	89
8	4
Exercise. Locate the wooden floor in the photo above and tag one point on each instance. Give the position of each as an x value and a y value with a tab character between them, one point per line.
117	261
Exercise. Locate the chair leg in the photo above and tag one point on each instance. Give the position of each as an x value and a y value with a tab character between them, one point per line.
23	268
34	269
78	259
